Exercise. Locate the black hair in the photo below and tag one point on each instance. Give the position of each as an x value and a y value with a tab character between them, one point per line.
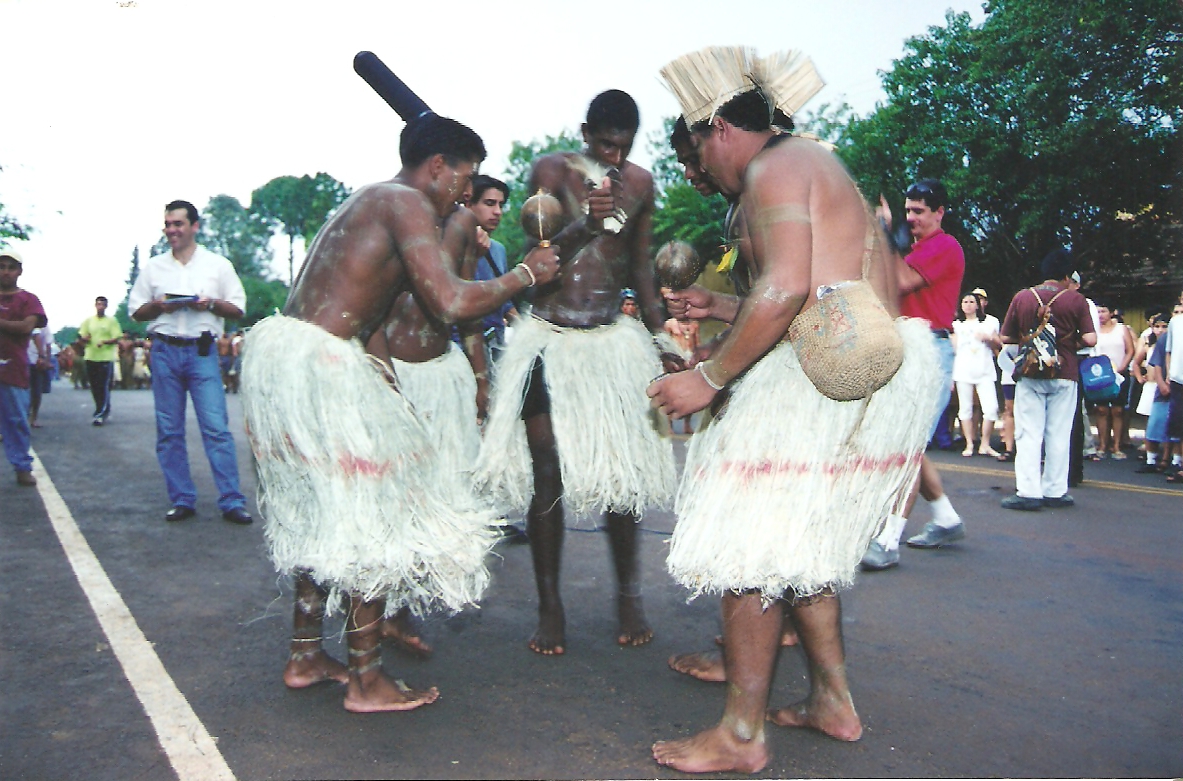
1057	264
931	191
680	136
190	210
482	182
432	134
104	298
961	312
613	110
749	111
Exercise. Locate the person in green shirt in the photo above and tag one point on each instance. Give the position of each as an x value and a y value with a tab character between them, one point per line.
100	334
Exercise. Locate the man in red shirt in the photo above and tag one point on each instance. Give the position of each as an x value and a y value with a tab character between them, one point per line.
930	287
1044	408
20	313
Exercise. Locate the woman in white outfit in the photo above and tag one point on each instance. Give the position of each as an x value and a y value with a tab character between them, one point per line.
975	338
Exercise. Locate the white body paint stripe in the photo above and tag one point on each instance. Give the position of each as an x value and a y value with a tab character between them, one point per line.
193	753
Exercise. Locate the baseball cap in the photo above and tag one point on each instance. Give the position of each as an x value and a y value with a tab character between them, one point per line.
11	253
977	291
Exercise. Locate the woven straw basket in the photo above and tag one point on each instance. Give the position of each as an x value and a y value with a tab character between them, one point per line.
847	344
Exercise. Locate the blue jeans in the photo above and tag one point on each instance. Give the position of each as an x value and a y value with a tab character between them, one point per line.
945	350
14	426
175	372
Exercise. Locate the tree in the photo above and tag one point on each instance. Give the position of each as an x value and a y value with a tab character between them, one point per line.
10	227
66	335
242	237
121	314
1052	124
298	205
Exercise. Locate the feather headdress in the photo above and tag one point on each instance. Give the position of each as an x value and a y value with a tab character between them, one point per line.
704	80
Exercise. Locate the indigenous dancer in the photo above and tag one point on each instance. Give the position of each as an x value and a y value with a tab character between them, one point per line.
434	375
569	424
350	483
737	260
781	505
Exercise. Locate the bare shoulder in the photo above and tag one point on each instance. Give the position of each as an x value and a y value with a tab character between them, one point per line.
550	171
797	159
636	178
387	195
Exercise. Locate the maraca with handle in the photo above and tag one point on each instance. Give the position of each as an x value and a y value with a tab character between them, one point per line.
678	265
542	217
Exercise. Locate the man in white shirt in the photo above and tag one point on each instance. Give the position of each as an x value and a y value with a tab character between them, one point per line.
185	294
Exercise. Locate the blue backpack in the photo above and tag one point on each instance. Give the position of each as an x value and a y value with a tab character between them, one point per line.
1098	379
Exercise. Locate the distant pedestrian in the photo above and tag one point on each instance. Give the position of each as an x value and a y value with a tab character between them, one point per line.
20	313
101	334
1044	406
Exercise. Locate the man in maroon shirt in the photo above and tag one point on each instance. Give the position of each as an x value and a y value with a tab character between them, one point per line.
930	288
20	313
1044	407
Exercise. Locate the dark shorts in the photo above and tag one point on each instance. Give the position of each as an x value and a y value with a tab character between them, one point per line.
1008	392
535	399
1175	416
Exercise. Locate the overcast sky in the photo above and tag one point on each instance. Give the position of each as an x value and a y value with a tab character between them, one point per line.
112	108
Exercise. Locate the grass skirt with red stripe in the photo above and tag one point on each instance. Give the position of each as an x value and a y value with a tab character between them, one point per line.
351	485
786	488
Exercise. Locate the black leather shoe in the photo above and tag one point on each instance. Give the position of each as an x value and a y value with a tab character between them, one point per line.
238	515
179	513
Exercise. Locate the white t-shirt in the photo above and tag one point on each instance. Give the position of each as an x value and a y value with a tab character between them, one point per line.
974	360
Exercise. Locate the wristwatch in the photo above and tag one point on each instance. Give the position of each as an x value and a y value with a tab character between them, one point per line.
209	306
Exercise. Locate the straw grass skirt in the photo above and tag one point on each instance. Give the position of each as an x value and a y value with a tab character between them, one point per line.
612	456
443	393
350	483
786	488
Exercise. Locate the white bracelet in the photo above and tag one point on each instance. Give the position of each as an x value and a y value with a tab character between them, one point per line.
701	369
533	279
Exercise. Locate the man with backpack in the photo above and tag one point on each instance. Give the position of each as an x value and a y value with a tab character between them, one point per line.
1049	322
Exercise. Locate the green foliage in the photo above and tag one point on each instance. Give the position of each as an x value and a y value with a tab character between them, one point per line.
121	313
263	298
11	227
666	171
1051	124
298	205
237	234
67	335
521	162
684	215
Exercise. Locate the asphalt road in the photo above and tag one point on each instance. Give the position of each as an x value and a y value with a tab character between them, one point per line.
1043	645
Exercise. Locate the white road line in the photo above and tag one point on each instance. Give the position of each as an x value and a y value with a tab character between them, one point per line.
193	753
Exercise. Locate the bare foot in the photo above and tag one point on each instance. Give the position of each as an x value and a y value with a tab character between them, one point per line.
548	639
634	629
382	694
712	751
704	665
831	714
398	630
300	673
